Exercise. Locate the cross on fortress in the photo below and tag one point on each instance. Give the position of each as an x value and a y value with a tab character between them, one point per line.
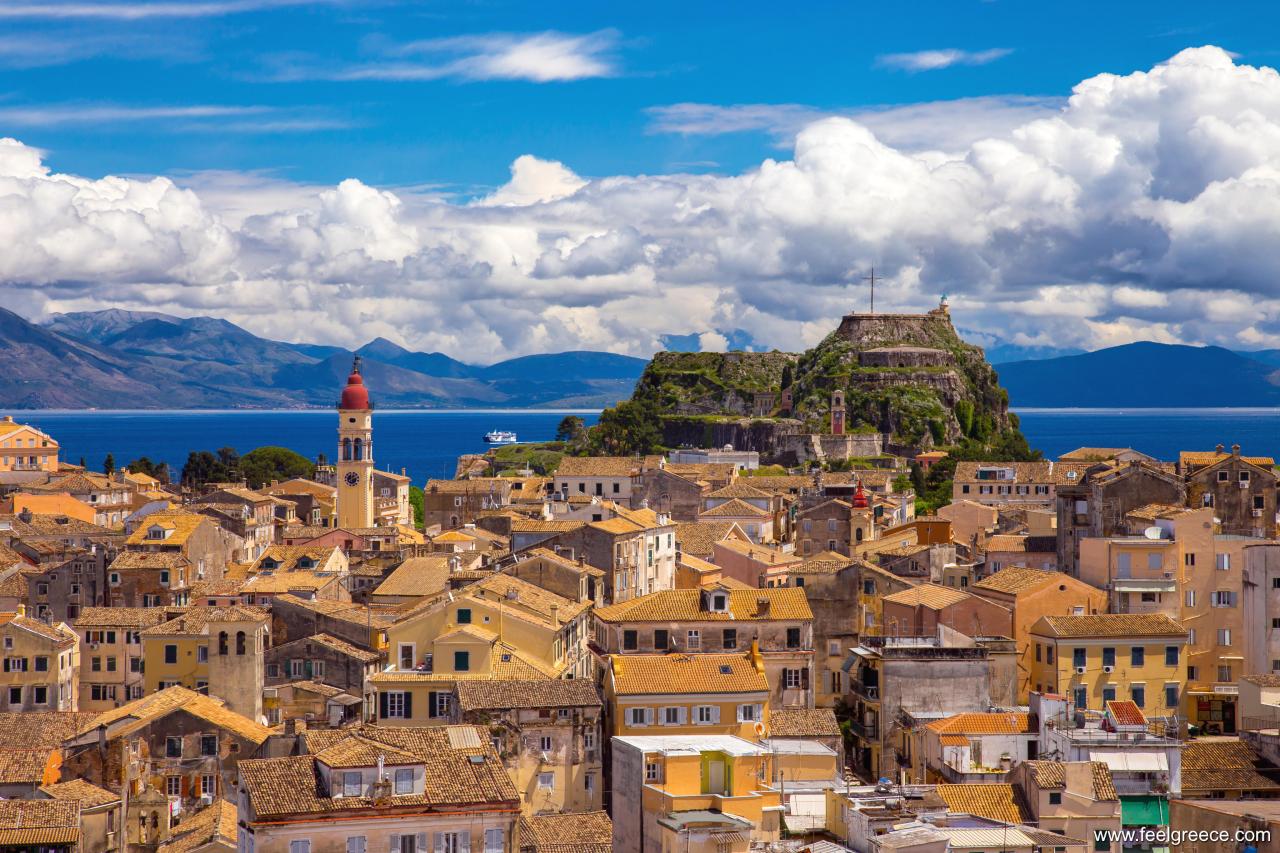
872	279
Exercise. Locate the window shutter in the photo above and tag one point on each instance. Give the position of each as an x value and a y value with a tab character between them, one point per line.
741	717
683	715
759	714
715	713
648	716
464	841
439	842
422	841
395	843
804	678
382	715
431	704
408	705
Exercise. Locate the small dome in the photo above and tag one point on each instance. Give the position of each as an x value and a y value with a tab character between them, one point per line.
356	394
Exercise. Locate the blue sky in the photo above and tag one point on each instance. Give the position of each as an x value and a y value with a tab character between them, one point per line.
260	62
491	179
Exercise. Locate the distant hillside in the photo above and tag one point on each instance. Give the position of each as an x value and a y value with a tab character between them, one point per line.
141	359
1143	375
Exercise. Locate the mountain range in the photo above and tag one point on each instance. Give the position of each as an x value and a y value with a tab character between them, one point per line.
1146	375
146	360
137	359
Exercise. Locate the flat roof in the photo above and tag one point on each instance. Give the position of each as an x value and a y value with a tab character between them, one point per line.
692	744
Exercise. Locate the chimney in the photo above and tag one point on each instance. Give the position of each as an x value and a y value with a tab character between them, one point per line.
8	419
1235	450
762	607
555	615
1219	448
291	727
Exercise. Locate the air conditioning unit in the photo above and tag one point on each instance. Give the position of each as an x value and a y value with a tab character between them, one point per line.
1244	484
1257	513
1108	669
206	799
1079	670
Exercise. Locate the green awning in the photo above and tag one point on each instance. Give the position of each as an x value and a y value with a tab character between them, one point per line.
1145	810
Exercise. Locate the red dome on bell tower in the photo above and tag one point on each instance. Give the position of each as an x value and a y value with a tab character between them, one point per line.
356	394
860	497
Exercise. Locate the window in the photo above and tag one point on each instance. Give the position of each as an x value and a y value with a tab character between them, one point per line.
1171	695
1224	674
1189	559
546	781
1222	598
208	785
1223	476
173	787
1138	656
15	695
748	713
639	716
240	638
352	784
630	641
544	743
295	668
462	661
695	640
317	669
356	844
1081	697
1171	655
494	840
1223	562
396	705
730	639
793	638
1191	673
173	747
170	654
301	845
1078	657
589	782
1191	598
706	715
202	654
95	664
1048	654
208	744
1055	798
589	739
672	716
464	615
1224	636
791	678
1139	695
41	695
404	780
661	638
652	771
1109	656
15	664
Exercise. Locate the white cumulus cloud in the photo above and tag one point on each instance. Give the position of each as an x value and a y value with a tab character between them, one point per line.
1143	206
932	60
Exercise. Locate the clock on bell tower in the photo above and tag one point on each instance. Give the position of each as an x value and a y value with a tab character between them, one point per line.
355	453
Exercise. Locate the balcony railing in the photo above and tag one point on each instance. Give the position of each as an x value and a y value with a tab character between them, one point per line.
866	731
870	692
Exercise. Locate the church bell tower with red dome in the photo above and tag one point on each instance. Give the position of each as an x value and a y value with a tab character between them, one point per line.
355	453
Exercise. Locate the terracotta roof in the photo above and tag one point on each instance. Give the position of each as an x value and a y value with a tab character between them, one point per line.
119	617
87	794
1112	625
523	599
584	832
504	694
340	646
1265	679
801	722
597	466
1126	712
142	712
14	586
931	595
26	823
1193	459
328	691
59	633
1007	542
735	508
182	524
997	801
341	610
475	485
152	560
41	729
292	785
697	537
24	766
760	553
1150	512
994	723
685	605
1016	579
739	490
56	525
638	675
357	751
196	620
277	582
215	822
287	557
953	740
1216	765
540	525
1093	454
1052	774
507	663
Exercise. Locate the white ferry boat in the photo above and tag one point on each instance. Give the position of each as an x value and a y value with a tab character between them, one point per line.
498	436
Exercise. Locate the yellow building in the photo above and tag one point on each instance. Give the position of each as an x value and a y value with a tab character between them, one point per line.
111	653
1095	659
688	694
211	650
877	583
498	628
693	794
355	453
41	670
25	448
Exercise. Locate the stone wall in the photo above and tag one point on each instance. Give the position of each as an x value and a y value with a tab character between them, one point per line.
905	357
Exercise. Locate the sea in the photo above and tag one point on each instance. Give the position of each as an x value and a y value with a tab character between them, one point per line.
427	443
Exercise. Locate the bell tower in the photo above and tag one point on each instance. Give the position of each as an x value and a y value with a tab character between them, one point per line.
355	453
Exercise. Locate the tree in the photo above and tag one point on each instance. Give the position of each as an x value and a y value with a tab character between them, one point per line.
786	376
627	429
571	428
265	464
144	465
109	465
203	467
416	501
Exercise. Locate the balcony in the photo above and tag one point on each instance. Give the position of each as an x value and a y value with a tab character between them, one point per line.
865	731
867	692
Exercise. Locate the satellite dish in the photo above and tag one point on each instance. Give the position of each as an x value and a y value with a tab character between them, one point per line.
1153	533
